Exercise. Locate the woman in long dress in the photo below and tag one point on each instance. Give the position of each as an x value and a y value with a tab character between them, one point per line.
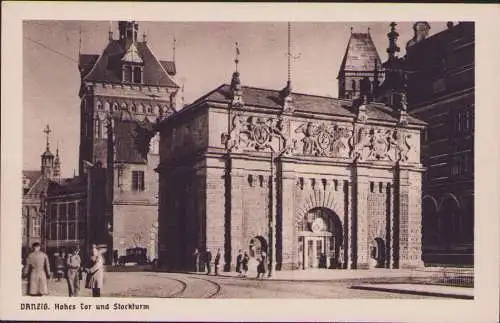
95	273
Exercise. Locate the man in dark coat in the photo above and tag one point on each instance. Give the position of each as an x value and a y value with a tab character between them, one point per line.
196	260
217	262
74	263
208	261
38	271
239	260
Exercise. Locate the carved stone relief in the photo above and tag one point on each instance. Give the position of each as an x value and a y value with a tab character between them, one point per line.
257	133
323	140
318	139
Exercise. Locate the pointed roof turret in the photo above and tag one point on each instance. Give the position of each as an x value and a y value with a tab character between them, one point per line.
360	54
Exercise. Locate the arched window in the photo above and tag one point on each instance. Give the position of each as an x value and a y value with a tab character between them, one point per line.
98	105
133	108
150	110
98	129
123	106
106	106
140	109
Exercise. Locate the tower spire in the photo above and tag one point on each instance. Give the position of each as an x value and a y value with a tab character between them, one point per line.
79	42
173	49
47	132
236	56
289	56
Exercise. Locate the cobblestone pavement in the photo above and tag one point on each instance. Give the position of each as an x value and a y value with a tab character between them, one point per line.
153	284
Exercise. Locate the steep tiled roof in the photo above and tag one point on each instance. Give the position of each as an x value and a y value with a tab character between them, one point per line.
32	175
270	99
107	67
360	54
169	66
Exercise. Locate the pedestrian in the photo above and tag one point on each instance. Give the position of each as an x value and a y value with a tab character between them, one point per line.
95	274
244	263
60	264
261	267
208	261
73	274
196	260
239	259
37	271
217	262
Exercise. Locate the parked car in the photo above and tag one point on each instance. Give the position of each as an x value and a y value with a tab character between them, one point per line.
134	255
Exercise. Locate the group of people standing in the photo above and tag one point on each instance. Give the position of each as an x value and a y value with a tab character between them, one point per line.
203	262
37	271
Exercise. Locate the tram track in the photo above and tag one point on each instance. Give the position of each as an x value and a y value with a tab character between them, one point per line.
217	287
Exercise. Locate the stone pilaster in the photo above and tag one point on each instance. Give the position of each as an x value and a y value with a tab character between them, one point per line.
287	253
361	195
410	219
234	219
350	239
215	209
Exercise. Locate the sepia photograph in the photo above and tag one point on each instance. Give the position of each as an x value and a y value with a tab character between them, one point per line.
272	160
356	182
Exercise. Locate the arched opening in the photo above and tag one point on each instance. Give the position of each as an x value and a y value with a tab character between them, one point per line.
320	240
430	233
377	253
257	245
449	220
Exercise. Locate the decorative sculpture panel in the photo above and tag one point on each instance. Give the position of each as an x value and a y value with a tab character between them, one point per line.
323	140
320	139
257	133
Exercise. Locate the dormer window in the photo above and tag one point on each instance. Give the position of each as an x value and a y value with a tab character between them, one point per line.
132	66
137	74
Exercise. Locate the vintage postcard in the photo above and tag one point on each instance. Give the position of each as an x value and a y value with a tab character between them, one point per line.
287	162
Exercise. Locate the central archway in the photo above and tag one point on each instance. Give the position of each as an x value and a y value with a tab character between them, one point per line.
320	239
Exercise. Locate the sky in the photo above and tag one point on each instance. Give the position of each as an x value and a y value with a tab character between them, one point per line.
204	57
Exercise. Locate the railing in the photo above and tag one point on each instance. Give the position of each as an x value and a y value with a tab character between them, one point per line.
449	276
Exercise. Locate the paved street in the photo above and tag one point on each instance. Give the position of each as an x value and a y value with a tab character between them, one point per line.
154	284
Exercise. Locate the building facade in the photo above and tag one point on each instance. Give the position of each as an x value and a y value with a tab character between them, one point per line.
124	92
312	181
441	92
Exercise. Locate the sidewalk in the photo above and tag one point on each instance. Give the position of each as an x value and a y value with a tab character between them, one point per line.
421	289
333	274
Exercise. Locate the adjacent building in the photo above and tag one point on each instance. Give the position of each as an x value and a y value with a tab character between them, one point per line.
124	91
441	92
312	181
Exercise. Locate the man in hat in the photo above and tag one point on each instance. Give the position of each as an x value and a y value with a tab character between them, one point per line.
38	271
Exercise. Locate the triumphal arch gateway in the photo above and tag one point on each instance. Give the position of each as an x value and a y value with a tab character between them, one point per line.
312	181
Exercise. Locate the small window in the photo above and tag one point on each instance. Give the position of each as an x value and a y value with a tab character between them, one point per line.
150	109
138	180
99	105
133	108
137	75
127	73
36	226
115	106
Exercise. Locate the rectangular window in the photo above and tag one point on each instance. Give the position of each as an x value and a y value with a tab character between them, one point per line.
138	180
35	226
62	212
71	211
137	75
71	230
63	231
81	230
127	73
53	231
53	212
